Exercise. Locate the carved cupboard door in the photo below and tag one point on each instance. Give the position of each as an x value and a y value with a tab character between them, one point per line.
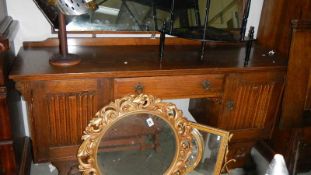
249	110
61	109
250	99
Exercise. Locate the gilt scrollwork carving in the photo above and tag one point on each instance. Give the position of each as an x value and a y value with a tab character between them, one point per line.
120	108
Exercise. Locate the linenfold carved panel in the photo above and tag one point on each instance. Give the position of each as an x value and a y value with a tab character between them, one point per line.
249	102
257	97
69	114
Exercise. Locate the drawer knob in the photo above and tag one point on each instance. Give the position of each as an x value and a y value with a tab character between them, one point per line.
230	105
139	88
206	84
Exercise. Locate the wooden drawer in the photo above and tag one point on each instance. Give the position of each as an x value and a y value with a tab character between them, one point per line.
188	86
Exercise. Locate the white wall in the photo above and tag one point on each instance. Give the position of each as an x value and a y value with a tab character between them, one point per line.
35	27
254	15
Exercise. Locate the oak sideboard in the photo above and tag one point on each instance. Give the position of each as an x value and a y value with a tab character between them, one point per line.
225	93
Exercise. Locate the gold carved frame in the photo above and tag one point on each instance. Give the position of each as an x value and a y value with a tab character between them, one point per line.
185	132
124	107
221	164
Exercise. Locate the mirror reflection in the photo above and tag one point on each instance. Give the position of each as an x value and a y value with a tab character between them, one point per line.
208	160
209	150
226	13
149	15
120	15
222	13
137	144
224	19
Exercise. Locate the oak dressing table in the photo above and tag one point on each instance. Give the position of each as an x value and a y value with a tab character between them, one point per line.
224	93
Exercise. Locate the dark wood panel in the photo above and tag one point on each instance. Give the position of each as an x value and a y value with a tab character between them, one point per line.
103	41
206	110
2	68
7	159
5	128
242	135
306	12
297	76
61	153
268	30
275	24
132	61
126	41
291	11
308	99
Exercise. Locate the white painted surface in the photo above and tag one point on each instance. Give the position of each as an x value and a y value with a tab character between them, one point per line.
35	27
254	15
25	116
183	105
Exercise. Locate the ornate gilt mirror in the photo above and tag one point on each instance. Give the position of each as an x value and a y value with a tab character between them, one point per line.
209	150
143	135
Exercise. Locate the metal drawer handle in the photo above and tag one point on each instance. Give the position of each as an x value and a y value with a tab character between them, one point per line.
230	105
206	84
139	88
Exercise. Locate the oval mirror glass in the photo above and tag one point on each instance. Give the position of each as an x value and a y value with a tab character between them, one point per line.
137	144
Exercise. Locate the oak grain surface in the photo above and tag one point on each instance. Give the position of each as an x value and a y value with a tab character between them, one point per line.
132	61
